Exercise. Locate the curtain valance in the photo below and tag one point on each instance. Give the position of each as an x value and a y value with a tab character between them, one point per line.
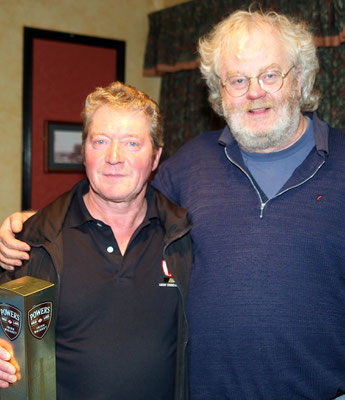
174	32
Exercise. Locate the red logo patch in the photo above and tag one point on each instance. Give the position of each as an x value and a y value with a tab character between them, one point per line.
165	269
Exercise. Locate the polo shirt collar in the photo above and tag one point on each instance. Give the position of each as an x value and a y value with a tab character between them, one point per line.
79	214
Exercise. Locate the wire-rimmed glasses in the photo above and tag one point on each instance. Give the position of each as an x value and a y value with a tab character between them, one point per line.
270	81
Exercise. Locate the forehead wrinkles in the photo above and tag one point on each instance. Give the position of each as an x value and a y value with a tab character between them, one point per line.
264	37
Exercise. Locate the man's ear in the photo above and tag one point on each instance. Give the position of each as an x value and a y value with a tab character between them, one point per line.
156	158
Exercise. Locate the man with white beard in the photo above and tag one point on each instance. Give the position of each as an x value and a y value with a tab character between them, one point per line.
266	304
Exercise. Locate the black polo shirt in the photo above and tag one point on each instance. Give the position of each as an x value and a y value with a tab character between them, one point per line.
117	326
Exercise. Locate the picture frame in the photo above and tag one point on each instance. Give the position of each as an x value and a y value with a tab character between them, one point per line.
63	146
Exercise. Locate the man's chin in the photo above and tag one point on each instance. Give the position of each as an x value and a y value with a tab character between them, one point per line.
270	135
255	127
258	144
258	140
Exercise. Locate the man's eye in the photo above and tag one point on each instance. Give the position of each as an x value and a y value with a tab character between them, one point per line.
238	81
98	143
270	76
133	144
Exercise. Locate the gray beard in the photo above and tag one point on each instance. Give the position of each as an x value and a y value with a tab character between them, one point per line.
279	136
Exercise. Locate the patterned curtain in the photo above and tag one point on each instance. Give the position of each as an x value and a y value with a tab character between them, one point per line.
171	53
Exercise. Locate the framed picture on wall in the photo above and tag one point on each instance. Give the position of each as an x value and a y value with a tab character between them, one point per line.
63	146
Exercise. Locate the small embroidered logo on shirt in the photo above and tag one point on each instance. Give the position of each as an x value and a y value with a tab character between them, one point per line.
168	279
319	197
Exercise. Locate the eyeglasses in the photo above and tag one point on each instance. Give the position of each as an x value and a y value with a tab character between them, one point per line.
270	81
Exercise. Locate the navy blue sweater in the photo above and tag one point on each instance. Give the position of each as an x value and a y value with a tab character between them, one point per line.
266	305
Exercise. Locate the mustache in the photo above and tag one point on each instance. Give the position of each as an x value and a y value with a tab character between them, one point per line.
259	105
255	105
266	103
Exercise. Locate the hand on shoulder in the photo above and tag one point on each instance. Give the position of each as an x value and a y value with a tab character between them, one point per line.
13	251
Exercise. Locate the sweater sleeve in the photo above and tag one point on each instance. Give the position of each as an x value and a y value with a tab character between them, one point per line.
164	181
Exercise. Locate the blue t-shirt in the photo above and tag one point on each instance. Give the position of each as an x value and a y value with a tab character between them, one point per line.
272	170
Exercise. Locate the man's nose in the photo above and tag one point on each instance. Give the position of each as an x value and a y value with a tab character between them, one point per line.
255	90
115	153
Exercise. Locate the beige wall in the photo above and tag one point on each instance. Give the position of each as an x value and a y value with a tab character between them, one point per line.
115	19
